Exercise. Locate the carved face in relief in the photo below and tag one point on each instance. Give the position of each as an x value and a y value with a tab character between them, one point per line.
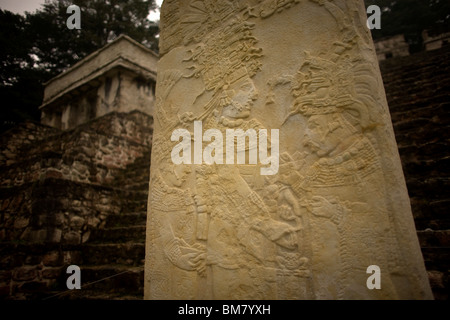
177	175
242	95
319	136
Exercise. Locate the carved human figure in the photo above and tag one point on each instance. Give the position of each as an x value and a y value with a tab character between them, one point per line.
294	276
173	213
241	235
220	231
240	230
341	188
219	237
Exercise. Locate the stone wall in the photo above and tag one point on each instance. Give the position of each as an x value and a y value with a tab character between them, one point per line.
62	191
418	89
20	137
392	47
435	41
90	153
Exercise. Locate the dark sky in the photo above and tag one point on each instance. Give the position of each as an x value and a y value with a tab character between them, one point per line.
20	6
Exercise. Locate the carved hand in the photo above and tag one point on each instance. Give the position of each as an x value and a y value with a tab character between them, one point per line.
192	261
322	207
281	233
286	212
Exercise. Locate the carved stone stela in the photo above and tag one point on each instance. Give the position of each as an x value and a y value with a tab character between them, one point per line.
336	202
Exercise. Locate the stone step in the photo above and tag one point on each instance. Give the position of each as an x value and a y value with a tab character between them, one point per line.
138	186
434	238
131	206
129	254
112	278
126	219
436	258
135	170
118	234
94	295
140	164
105	282
132	177
132	200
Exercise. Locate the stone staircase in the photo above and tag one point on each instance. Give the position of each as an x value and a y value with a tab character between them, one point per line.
417	89
114	258
112	265
77	197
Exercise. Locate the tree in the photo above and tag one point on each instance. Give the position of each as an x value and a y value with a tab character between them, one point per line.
20	85
101	22
36	47
411	18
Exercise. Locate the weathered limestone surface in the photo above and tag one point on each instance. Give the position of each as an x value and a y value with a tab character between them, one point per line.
336	205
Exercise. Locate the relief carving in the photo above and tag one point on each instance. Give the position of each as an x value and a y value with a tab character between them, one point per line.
310	229
342	186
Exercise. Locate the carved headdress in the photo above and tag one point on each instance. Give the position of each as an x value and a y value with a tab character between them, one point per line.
226	53
323	87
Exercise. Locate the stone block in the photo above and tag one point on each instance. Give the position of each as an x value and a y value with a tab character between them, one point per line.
77	223
38	236
21	222
436	279
52	259
72	257
85	237
72	238
25	273
52	273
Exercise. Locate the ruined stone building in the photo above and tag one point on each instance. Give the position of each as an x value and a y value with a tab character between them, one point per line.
74	188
